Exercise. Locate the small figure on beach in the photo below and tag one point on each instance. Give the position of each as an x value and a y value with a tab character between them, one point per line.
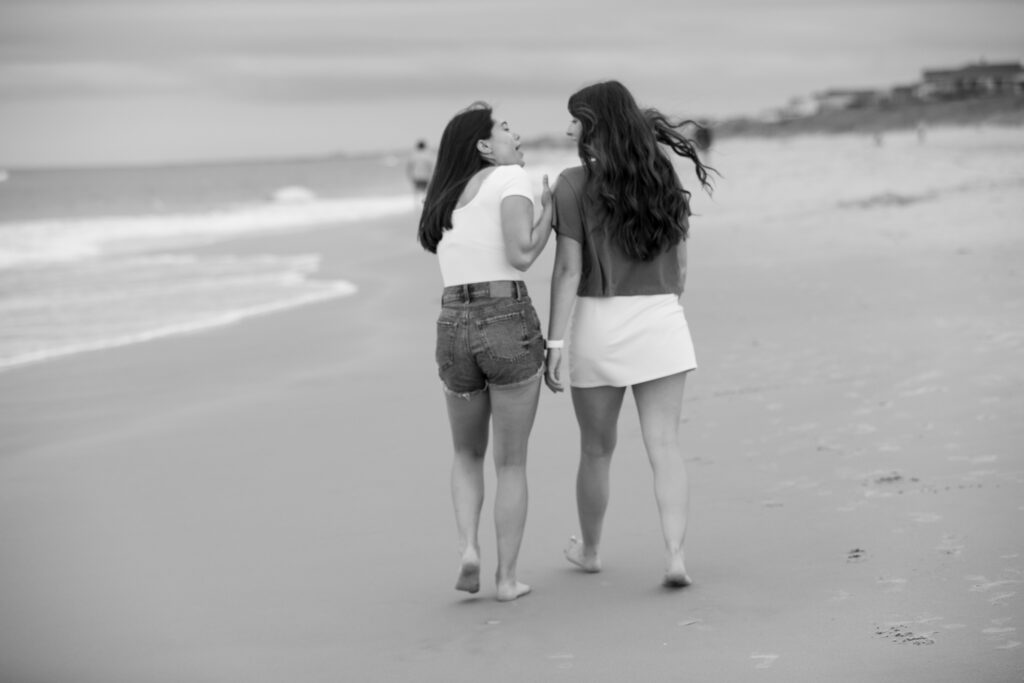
478	217
622	219
703	139
419	167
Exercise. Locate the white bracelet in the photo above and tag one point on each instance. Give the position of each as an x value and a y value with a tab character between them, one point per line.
554	343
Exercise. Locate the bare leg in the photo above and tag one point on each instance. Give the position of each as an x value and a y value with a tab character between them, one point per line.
597	412
659	403
469	422
514	410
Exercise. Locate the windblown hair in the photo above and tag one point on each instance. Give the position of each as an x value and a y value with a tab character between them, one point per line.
458	160
630	177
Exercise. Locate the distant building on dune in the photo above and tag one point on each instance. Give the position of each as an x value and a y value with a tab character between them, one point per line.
837	98
902	94
973	80
796	108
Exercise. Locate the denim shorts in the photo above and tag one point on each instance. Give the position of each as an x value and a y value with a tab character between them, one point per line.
487	341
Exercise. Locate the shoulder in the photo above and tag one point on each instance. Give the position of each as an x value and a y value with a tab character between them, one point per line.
571	179
509	172
575	176
512	180
575	173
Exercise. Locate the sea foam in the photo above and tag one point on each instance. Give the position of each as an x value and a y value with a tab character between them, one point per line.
38	242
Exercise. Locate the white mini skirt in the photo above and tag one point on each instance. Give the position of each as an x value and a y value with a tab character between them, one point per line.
620	341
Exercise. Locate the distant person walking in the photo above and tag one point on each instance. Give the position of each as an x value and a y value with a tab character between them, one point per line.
478	217
620	266
704	138
419	168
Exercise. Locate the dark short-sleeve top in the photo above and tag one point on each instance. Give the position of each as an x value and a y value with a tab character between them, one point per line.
607	271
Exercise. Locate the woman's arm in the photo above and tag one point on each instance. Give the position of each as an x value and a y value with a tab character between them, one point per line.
565	280
524	239
681	255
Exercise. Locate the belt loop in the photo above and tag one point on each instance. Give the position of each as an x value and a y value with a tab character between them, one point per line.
517	289
465	294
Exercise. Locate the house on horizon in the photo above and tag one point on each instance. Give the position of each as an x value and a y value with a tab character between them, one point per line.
973	80
838	98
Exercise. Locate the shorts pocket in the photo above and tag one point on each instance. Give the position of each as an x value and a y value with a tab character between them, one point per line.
506	335
444	350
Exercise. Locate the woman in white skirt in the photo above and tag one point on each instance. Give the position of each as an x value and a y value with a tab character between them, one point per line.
620	266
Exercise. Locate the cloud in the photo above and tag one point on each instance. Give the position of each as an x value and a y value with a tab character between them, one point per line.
349	60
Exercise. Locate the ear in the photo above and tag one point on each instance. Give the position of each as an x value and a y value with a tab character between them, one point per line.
483	147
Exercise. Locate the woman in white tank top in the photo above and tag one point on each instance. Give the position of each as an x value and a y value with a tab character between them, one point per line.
478	217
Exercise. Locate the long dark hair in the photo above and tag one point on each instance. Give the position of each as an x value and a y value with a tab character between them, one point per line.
629	176
458	160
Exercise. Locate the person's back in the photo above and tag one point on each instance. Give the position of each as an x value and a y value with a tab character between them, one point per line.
478	217
473	250
622	224
607	270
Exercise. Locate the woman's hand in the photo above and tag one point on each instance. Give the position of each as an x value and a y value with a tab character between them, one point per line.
553	374
545	193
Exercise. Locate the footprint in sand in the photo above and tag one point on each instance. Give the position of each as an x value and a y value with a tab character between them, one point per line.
1001	632
925	517
880	478
974	460
563	659
901	634
857	555
922	391
1000	599
893	585
697	624
982	584
765	661
950	545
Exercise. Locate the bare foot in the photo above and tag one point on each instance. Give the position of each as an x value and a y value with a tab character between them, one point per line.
469	573
676	576
511	591
585	561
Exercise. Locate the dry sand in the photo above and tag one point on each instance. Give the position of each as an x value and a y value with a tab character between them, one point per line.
269	501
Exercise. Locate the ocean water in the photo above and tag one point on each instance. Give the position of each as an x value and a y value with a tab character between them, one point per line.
100	258
97	258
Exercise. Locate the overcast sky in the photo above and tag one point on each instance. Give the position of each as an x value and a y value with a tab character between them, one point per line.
120	81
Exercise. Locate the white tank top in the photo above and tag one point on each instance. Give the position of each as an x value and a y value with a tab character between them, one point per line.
473	250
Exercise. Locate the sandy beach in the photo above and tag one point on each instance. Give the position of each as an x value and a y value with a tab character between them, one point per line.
269	501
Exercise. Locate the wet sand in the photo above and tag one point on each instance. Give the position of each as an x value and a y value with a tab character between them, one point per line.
269	501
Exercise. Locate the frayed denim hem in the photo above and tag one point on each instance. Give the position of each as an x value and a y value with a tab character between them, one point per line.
515	385
467	395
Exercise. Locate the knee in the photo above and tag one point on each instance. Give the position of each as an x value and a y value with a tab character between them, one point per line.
662	443
470	453
597	447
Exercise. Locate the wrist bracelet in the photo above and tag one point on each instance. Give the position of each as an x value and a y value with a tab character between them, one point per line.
554	344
